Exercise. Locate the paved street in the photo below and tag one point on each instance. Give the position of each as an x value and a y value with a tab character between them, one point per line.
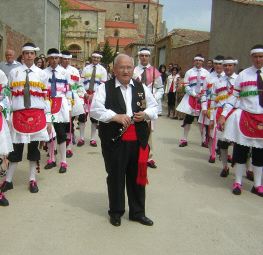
193	209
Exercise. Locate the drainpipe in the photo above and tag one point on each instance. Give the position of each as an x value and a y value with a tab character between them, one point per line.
45	27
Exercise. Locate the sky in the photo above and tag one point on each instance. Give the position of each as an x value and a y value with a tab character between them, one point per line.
191	14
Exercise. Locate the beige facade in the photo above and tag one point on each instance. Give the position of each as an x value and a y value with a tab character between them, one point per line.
84	37
131	11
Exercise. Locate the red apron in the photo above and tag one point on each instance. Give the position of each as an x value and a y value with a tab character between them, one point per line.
29	121
56	103
251	125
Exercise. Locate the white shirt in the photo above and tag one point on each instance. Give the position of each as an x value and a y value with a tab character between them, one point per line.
138	70
193	88
99	112
246	81
17	77
172	79
100	77
3	84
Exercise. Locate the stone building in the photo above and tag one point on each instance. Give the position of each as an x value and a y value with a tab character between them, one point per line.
118	21
133	11
38	20
235	27
88	32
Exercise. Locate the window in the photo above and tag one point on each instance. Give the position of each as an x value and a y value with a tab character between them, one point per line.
86	22
128	6
144	6
117	17
116	33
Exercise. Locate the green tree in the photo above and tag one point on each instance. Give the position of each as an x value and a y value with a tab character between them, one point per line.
107	54
66	22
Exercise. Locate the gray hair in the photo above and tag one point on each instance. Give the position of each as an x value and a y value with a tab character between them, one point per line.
122	55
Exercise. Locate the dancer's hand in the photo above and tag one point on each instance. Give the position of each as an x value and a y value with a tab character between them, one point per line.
139	116
49	128
211	124
221	122
123	119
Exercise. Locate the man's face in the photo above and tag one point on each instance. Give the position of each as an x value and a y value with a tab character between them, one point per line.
65	62
10	56
209	64
95	60
198	63
170	66
257	60
229	69
218	68
144	59
29	57
53	61
123	70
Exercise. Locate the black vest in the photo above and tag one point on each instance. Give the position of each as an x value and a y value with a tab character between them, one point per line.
115	102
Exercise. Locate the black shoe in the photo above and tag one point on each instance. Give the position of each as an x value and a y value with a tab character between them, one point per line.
33	188
115	221
62	169
6	186
211	160
224	172
50	165
143	220
3	200
151	164
258	191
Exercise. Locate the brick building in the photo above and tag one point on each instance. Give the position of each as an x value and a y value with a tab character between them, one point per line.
180	46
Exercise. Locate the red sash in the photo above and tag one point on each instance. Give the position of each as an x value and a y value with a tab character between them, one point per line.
251	125
193	102
1	121
29	121
56	103
130	135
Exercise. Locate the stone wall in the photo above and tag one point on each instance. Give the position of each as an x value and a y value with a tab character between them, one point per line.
238	30
36	19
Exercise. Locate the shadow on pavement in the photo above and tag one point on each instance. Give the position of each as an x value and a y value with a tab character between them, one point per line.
95	203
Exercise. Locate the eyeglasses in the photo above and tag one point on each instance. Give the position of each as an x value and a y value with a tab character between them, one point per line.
124	68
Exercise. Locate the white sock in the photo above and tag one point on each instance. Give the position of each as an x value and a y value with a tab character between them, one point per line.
224	155
32	167
93	131
240	169
81	130
10	171
202	129
186	131
257	175
62	150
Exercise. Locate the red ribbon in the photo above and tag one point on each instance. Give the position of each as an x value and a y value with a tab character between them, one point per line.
130	135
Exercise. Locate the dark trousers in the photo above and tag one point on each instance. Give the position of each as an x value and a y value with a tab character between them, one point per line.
61	131
84	117
121	161
33	153
241	154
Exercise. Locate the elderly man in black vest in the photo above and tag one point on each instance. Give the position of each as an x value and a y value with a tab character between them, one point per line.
123	106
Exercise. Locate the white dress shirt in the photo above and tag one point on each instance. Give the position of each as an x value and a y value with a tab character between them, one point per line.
100	113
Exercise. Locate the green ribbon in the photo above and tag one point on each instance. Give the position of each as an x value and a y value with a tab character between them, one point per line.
75	86
249	93
7	91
